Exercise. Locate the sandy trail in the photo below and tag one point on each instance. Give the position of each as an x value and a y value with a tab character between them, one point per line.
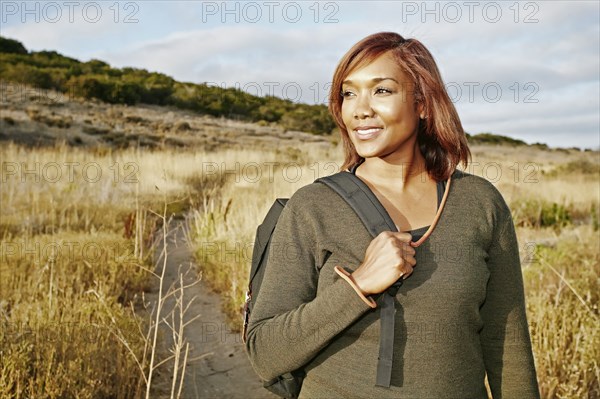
223	369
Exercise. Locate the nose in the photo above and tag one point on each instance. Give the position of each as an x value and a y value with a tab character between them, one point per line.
362	107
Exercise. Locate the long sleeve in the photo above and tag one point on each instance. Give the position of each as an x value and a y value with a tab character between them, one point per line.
505	338
290	322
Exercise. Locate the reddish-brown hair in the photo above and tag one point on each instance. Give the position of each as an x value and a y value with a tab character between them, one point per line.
441	137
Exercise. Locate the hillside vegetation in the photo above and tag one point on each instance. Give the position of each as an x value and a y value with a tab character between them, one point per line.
96	79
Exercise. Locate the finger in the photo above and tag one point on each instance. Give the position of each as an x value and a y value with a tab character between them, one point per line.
407	273
404	236
408	249
387	233
405	249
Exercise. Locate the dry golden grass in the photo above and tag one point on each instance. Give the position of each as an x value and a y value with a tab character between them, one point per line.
76	257
562	284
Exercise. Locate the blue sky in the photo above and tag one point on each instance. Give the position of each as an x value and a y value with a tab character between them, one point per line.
525	69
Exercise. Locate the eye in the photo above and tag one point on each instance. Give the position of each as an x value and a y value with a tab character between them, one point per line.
346	93
383	90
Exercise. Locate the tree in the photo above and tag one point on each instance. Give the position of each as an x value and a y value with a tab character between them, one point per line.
11	46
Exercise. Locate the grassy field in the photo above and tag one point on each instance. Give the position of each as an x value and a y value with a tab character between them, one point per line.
76	243
76	240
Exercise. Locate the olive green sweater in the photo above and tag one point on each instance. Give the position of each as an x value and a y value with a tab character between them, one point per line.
460	315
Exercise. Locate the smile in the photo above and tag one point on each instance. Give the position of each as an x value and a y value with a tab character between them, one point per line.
368	133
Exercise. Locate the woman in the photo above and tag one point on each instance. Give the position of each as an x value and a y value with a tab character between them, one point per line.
460	312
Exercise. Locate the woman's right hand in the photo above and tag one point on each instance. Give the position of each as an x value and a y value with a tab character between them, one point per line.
388	257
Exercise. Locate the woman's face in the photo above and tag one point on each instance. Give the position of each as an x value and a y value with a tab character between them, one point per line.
378	109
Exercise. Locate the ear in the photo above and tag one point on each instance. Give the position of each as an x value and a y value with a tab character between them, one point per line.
421	110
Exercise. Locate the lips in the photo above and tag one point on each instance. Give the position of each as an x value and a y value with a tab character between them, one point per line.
368	132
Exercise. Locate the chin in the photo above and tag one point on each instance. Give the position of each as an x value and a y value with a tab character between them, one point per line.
370	154
366	151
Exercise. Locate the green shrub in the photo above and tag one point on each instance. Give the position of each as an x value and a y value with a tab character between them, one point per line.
582	166
11	46
491	138
540	213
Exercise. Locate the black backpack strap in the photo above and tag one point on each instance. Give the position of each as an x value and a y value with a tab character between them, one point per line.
260	251
376	219
362	200
263	234
386	341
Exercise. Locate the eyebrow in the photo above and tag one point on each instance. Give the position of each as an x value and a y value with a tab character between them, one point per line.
374	80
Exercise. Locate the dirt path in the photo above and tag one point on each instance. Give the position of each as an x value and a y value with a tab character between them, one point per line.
223	370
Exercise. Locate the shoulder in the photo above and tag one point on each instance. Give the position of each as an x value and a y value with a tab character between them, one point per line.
317	207
314	198
480	195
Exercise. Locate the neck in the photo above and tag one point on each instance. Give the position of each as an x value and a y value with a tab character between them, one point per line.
400	170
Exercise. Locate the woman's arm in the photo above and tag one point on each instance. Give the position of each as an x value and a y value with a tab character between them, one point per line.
505	338
290	323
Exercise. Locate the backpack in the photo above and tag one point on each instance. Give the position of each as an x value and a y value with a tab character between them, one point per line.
376	219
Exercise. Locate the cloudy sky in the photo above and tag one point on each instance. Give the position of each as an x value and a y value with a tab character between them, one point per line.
525	69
